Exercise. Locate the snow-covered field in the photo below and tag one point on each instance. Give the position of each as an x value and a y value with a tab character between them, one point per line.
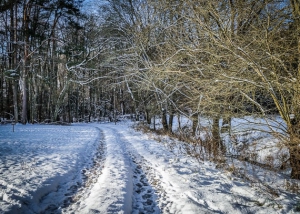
107	168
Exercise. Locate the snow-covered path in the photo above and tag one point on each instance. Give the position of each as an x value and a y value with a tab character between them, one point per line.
132	183
141	175
113	190
107	168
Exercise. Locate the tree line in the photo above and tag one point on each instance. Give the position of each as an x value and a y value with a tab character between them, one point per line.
198	58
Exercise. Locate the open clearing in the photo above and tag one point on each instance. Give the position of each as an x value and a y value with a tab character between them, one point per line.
107	168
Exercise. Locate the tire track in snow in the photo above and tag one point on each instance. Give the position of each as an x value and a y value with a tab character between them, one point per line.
79	191
112	191
149	195
163	189
135	185
144	195
129	189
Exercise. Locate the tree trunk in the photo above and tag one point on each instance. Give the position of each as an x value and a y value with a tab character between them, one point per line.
164	120
148	118
294	148
24	98
13	14
59	103
179	122
1	93
15	100
26	14
171	117
195	121
217	147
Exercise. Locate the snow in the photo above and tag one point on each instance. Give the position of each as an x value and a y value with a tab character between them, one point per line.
113	190
38	160
108	168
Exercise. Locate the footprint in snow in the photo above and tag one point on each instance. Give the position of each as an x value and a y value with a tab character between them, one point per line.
144	196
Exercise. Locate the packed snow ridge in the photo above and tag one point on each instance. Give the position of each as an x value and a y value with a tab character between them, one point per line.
108	168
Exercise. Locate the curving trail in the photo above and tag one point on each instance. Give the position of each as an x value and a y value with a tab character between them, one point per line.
134	179
140	175
108	168
122	186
